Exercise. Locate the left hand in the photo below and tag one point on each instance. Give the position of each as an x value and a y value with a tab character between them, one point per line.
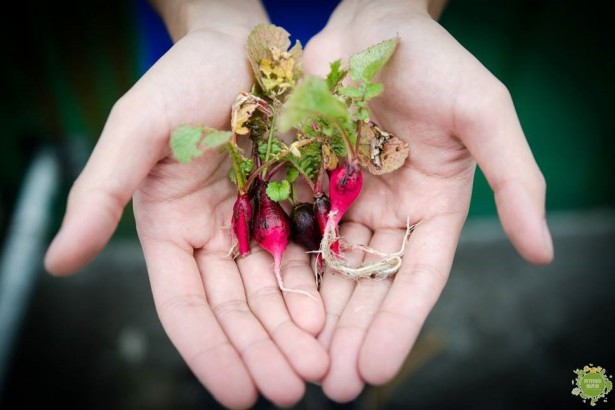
453	112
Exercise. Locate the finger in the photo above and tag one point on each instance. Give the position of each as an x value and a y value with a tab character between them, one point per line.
301	349
343	382
270	370
336	289
128	148
298	273
491	130
192	327
135	138
415	290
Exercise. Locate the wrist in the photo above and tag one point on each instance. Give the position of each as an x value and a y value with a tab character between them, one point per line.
233	17
432	8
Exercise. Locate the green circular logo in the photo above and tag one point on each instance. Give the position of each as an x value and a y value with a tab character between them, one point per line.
592	384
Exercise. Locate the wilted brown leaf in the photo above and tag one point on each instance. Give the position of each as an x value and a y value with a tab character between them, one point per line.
242	110
379	151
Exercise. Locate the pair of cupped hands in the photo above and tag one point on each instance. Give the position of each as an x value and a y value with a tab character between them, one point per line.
237	332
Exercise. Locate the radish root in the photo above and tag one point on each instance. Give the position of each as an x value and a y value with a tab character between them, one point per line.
385	267
278	275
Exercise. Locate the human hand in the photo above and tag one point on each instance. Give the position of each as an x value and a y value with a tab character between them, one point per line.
453	112
227	318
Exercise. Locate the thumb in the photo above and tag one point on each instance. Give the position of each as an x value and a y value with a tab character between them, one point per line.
133	140
490	129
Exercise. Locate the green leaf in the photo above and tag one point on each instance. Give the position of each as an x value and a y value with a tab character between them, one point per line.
311	98
278	191
190	141
350	91
292	174
366	64
336	74
373	90
216	138
185	142
362	113
276	147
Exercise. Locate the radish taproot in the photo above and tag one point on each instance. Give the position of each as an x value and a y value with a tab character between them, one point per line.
271	231
241	223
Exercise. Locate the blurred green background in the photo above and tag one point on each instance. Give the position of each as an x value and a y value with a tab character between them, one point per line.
70	61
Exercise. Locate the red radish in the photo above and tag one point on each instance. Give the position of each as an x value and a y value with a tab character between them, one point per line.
304	228
272	232
241	222
345	183
322	206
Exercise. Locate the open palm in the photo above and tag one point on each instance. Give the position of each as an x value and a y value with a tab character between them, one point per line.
227	317
452	112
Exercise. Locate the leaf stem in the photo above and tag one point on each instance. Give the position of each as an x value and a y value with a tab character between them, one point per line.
281	155
239	177
356	142
269	141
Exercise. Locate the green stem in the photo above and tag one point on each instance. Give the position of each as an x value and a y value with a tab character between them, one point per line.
239	177
356	142
351	154
305	176
282	155
269	142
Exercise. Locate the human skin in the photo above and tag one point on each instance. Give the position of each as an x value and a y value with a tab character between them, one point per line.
237	332
454	114
227	318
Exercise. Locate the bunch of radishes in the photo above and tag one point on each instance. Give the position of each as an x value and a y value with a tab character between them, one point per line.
332	137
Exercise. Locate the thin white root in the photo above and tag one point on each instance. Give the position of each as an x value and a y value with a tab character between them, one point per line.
234	251
386	266
283	288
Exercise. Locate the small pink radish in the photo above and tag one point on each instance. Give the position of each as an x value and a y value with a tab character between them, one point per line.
322	206
272	232
345	183
241	223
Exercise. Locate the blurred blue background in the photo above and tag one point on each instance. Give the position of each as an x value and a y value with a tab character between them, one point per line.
93	341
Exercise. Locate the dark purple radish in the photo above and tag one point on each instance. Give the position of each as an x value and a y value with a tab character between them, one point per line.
241	222
304	228
271	230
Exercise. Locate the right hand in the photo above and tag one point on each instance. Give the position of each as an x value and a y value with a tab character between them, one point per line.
227	318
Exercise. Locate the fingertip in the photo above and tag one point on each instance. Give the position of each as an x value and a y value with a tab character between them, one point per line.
307	314
522	216
58	261
313	361
542	255
232	386
343	382
342	392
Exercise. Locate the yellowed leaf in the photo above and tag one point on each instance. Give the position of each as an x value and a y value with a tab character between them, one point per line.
275	67
243	108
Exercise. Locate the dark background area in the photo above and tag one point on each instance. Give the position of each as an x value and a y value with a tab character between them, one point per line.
505	334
